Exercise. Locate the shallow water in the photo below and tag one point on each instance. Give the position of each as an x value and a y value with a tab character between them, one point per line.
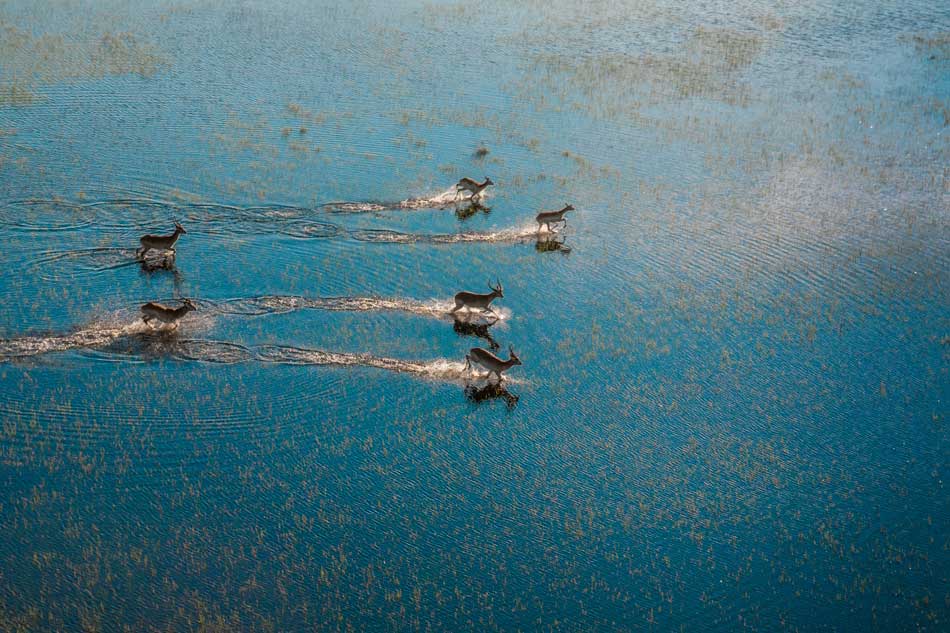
732	410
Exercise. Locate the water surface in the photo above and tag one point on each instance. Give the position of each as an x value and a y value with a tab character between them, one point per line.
733	405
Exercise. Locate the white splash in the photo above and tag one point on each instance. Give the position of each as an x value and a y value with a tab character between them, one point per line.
96	335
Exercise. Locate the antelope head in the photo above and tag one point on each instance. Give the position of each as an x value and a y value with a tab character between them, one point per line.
488	181
180	228
567	207
189	305
498	290
512	357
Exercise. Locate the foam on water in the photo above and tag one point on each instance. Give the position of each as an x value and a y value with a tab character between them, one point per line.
441	369
98	335
91	337
124	336
440	200
131	217
523	233
275	304
136	341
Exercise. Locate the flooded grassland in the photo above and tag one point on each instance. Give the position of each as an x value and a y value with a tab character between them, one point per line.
731	411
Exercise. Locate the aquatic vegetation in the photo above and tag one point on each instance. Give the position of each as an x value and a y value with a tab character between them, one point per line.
730	410
936	45
708	66
30	60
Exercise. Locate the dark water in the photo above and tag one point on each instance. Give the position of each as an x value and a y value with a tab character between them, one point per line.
732	411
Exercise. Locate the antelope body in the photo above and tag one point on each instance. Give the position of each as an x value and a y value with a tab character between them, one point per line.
489	361
165	314
552	217
164	242
472	186
472	300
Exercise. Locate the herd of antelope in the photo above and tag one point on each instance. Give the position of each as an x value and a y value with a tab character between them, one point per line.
479	303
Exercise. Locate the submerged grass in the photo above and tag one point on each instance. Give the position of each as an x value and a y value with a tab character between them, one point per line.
730	416
30	61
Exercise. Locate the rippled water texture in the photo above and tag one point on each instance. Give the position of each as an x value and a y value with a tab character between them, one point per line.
732	408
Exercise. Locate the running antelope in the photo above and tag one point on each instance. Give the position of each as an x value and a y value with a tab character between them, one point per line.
164	242
152	310
472	186
489	361
548	217
471	300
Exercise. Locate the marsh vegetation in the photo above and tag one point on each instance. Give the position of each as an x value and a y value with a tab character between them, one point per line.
732	408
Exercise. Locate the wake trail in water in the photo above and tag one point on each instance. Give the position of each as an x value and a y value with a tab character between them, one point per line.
122	330
440	369
277	304
125	333
83	261
441	200
132	217
383	236
136	341
56	265
93	336
134	214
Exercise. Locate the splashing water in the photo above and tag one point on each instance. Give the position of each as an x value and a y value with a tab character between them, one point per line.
441	200
98	335
136	340
524	233
440	369
276	304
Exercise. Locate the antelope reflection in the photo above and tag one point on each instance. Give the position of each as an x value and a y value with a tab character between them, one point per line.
465	211
164	261
491	391
550	242
465	325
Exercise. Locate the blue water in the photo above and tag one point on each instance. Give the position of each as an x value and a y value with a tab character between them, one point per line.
732	408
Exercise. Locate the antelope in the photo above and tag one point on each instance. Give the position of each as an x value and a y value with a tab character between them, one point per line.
152	310
548	217
165	242
472	186
492	363
470	300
